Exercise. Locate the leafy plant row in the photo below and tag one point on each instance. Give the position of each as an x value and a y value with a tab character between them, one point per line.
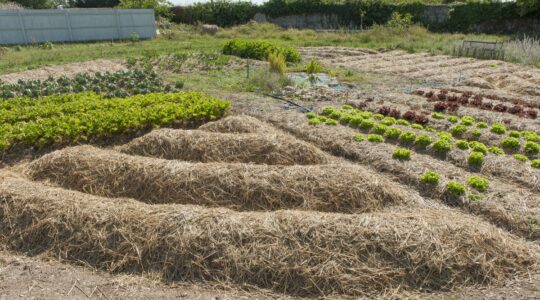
87	116
118	84
260	50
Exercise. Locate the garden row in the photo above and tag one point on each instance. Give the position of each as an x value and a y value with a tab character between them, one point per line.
111	85
71	118
451	102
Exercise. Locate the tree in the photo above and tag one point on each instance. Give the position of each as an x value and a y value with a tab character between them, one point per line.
161	7
527	7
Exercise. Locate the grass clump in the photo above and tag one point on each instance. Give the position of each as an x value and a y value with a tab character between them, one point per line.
277	63
531	148
498	128
467	120
423	141
430	177
375	138
462	144
482	125
314	67
475	159
455	188
478	183
496	150
521	157
407	137
392	133
510	143
258	49
380	129
442	146
535	163
359	137
458	130
402	154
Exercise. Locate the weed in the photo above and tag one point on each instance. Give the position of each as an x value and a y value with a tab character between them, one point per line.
455	188
134	37
430	177
402	154
478	183
475	159
375	138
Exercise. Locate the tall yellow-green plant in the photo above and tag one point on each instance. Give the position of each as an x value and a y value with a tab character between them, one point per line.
277	63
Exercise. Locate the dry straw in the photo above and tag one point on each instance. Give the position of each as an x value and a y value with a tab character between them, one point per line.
333	188
299	253
237	124
204	146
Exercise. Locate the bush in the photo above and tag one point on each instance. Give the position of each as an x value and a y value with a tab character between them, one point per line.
359	137
455	188
375	138
442	146
402	154
259	50
311	115
521	157
437	115
407	137
314	121
510	143
531	148
458	130
430	177
380	129
535	163
482	125
462	144
392	133
367	124
388	121
475	159
277	63
498	128
496	150
467	120
423	140
514	133
478	147
478	183
453	119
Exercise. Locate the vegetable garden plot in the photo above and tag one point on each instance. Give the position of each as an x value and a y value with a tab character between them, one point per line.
333	187
299	253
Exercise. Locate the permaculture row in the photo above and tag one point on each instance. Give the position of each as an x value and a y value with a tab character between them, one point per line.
81	117
118	84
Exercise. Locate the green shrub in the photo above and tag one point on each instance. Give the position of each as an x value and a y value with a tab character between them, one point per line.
403	122
478	147
521	157
482	125
458	130
407	137
93	116
392	133
260	50
514	133
402	154
453	119
277	63
430	177
531	148
388	121
462	144
314	121
417	126
455	188
423	140
475	159
375	138
437	115
356	121
498	128
311	115
380	129
467	120
535	163
359	137
367	124
510	143
442	146
478	183
496	150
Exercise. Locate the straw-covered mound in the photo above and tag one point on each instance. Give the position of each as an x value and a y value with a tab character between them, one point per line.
335	188
301	253
204	146
237	124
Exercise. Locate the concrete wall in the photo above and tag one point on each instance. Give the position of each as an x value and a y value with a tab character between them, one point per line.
74	25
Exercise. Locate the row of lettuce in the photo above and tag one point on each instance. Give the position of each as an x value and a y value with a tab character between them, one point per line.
82	117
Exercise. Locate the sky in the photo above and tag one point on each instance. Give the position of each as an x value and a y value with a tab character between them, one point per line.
186	2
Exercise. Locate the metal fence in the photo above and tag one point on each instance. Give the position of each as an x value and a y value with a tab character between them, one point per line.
24	26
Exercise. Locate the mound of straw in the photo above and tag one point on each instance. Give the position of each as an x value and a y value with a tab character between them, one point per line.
300	253
204	146
237	124
333	188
